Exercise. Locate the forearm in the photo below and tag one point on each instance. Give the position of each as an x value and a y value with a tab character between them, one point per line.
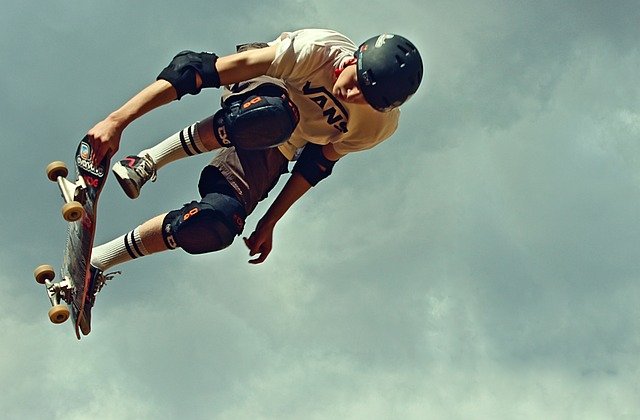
298	185
295	188
153	96
260	241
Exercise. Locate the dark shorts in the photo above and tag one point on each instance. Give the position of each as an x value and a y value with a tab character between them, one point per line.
248	174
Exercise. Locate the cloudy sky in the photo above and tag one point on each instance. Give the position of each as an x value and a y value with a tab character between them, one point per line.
483	263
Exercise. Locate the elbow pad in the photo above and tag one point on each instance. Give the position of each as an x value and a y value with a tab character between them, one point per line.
181	72
313	165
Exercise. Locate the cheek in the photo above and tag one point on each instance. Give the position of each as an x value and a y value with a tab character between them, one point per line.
346	80
351	82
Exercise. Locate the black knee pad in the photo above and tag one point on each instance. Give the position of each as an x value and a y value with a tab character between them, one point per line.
263	118
204	226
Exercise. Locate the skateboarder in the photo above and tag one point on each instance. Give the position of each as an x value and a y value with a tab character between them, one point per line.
311	95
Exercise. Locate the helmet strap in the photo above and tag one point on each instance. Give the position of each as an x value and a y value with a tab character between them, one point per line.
337	72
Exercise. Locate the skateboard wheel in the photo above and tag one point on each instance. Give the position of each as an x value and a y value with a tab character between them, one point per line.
56	169
72	211
44	272
58	314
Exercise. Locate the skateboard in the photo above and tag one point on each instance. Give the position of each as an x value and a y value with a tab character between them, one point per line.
71	295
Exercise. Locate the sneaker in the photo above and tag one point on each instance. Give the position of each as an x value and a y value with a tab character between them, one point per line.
133	172
98	280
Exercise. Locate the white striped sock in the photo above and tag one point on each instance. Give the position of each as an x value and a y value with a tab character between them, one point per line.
125	248
185	142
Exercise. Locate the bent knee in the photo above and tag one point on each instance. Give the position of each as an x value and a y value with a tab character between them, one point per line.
202	227
256	121
204	234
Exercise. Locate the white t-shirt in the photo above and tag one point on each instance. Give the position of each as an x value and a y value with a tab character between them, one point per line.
306	61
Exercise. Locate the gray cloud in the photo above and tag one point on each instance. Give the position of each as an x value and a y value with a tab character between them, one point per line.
483	263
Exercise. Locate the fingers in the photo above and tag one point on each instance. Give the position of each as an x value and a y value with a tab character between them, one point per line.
99	151
263	252
260	259
249	243
105	140
261	249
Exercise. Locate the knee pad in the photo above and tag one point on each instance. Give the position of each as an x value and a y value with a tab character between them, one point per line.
204	226
263	118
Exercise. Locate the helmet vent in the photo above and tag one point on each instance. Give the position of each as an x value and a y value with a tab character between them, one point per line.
400	61
403	49
371	77
410	47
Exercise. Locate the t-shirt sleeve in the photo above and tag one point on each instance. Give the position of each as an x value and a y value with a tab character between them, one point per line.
301	53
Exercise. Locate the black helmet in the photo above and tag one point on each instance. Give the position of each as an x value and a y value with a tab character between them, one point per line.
389	70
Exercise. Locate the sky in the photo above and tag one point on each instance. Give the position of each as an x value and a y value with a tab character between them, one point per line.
483	263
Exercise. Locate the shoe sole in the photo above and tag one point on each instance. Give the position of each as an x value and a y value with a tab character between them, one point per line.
127	185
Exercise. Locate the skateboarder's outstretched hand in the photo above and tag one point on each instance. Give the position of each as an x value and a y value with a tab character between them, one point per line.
260	242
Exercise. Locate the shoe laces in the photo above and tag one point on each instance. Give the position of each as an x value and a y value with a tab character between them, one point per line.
147	168
102	279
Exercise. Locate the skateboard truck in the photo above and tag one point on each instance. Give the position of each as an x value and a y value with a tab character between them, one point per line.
73	194
57	292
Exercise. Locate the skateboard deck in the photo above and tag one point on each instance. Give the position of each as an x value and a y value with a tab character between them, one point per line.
80	210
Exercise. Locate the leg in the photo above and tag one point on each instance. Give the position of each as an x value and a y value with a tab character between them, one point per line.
134	171
144	240
151	235
205	131
230	188
208	225
186	142
204	226
256	116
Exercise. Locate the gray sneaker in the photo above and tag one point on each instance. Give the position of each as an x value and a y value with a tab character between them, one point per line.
133	172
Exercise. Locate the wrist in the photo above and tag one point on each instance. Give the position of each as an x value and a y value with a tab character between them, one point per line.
267	222
118	120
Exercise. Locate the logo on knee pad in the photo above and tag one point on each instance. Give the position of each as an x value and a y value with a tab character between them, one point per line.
251	102
190	213
168	237
221	132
